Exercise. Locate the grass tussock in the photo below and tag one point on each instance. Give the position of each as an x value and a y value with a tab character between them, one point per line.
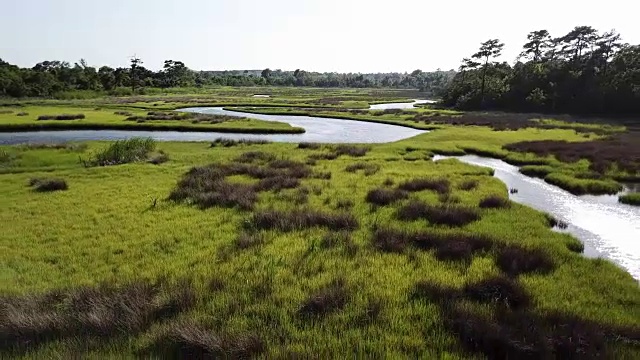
501	291
124	152
309	146
123	113
62	117
221	142
514	260
441	186
251	157
329	298
48	184
302	219
104	311
449	214
384	197
351	150
22	113
189	340
369	169
494	202
277	183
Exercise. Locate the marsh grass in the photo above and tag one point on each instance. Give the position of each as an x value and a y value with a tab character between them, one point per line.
255	296
73	147
578	186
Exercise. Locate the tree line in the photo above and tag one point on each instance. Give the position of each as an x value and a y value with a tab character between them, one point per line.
53	78
584	71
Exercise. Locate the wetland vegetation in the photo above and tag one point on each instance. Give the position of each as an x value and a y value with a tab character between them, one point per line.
251	248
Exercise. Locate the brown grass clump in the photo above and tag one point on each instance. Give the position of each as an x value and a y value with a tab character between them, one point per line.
104	311
61	117
369	169
383	197
494	202
515	260
351	150
441	186
255	156
330	298
390	240
310	146
188	340
48	184
302	219
501	291
452	215
206	186
230	143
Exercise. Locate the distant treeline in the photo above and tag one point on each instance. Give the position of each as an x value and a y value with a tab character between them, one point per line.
56	78
584	71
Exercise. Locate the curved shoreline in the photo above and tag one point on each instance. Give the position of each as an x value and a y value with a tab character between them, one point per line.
341	117
9	128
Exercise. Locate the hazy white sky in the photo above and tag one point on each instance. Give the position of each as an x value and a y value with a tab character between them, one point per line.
316	35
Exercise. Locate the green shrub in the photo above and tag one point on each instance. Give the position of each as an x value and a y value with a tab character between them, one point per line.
630	199
124	151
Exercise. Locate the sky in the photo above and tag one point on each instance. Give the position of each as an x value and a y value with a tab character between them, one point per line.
314	35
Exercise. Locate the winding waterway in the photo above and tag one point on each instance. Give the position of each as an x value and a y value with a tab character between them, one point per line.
607	228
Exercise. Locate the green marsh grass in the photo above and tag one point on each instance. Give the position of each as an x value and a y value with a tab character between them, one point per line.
265	286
